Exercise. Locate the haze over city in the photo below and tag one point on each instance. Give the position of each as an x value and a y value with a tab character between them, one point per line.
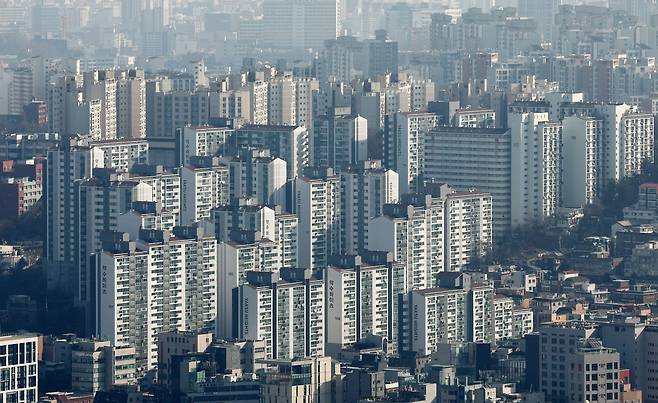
328	201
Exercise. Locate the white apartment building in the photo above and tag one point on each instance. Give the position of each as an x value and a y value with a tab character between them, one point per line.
365	190
146	215
536	167
19	366
503	317
403	146
102	85
204	186
362	299
339	141
73	160
119	154
414	231
272	224
131	104
468	228
178	288
319	209
257	174
481	314
243	251
202	141
164	187
436	315
290	143
473	158
522	322
286	309
474	118
282	101
582	163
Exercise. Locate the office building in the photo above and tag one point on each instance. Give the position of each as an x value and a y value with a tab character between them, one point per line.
98	365
320	381
177	343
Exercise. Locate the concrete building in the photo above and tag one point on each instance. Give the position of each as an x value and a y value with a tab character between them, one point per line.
474	118
473	158
290	143
202	141
19	364
339	141
582	153
204	186
98	365
168	110
468	228
403	146
319	209
437	315
243	251
256	174
481	320
321	380
175	343
503	318
365	190
558	345
536	167
131	104
183	265
74	160
523	322
414	230
362	299
286	309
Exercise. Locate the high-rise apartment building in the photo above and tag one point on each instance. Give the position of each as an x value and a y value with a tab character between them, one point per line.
73	160
436	315
536	167
168	110
582	152
319	208
285	308
290	143
362	298
181	264
414	231
243	251
257	174
365	190
403	146
468	228
473	158
204	186
203	141
131	104
339	141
